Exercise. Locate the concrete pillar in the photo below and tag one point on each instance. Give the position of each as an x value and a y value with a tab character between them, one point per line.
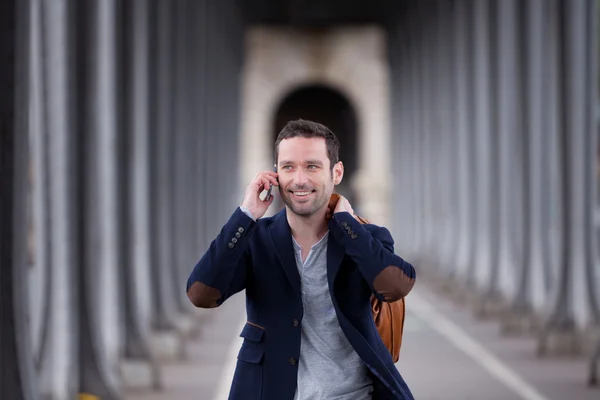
453	39
59	372
430	135
403	201
462	36
220	47
170	326
553	220
416	97
531	279
217	126
410	103
509	129
488	301
17	378
139	367
182	137
164	261
588	183
214	188
491	301
594	120
447	169
101	333
394	50
234	32
438	137
473	190
482	136
423	68
138	269
200	133
401	225
39	252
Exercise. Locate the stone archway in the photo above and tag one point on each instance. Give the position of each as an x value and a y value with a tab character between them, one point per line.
325	105
350	60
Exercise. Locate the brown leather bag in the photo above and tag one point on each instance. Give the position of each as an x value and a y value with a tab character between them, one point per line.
388	317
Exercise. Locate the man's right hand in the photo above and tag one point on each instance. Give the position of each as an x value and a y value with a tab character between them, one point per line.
252	201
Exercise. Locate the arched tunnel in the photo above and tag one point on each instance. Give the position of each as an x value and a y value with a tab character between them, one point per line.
130	129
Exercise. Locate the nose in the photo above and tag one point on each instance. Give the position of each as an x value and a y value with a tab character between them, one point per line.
300	178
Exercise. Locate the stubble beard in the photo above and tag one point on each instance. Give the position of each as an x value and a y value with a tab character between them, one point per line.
306	210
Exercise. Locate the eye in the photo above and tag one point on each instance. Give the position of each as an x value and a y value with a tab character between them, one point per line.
312	167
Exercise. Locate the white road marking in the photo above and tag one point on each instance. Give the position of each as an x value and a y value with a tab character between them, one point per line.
457	336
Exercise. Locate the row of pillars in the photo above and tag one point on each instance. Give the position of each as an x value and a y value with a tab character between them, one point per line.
121	166
496	133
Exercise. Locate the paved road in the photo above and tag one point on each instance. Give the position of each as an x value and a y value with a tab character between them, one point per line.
446	354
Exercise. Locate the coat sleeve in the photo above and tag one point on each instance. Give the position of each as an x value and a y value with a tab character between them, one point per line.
223	269
387	274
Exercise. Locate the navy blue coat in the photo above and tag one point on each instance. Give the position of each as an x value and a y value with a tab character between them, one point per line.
259	257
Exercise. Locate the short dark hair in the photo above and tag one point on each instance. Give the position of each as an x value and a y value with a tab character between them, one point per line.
310	129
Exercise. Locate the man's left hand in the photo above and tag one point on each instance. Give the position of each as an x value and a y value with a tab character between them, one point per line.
343	205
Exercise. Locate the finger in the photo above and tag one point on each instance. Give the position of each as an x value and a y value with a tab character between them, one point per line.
257	183
270	175
271	180
260	182
266	183
269	199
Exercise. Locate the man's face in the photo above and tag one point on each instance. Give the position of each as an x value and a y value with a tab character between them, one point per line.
305	178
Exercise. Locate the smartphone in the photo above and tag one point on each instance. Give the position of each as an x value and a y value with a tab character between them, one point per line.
268	196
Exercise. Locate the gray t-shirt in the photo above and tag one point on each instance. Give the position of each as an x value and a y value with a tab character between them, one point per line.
328	367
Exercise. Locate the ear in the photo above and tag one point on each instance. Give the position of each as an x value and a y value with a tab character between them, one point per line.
338	173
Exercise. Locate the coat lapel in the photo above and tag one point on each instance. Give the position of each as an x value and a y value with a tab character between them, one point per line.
284	249
335	255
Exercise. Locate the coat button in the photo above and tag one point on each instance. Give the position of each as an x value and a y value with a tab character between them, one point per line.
233	240
344	223
354	236
237	235
231	245
295	323
292	360
241	230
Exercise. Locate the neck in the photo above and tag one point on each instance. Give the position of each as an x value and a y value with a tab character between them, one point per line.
311	228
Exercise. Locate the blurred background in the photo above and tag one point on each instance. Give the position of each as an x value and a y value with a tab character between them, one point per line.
130	128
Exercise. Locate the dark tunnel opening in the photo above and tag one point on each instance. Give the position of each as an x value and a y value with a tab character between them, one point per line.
329	107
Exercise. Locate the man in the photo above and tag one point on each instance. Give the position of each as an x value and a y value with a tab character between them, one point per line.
309	272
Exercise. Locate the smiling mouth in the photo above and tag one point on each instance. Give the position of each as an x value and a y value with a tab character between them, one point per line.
301	194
